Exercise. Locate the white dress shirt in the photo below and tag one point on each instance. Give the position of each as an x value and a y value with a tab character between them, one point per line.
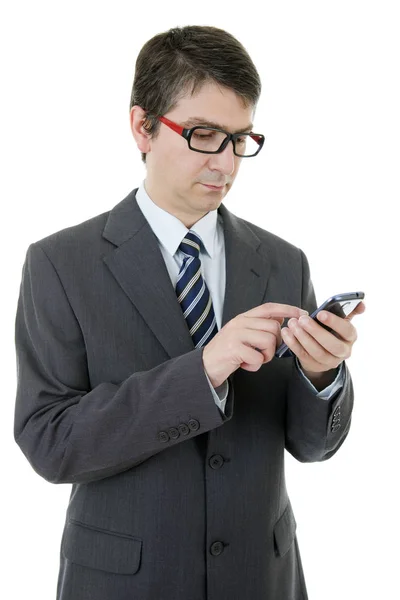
170	232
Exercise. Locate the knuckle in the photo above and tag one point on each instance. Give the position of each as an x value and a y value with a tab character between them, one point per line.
267	355
277	327
270	339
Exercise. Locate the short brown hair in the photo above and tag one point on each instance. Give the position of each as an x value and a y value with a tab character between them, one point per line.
171	62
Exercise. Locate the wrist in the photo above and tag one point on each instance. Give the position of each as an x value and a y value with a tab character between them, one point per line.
322	379
211	377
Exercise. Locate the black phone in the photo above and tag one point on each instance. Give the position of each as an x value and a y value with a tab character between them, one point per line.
340	305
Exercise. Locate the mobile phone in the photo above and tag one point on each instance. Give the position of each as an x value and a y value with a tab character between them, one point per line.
340	305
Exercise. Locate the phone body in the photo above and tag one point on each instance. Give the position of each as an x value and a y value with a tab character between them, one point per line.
340	305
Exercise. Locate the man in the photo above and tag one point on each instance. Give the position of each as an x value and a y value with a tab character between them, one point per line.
145	342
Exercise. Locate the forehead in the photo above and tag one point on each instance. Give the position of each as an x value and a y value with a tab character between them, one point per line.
214	106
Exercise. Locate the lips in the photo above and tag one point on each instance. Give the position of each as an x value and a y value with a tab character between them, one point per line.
214	187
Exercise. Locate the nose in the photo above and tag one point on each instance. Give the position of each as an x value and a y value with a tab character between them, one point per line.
224	161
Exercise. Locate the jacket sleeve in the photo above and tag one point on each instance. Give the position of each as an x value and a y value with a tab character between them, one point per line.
315	427
72	433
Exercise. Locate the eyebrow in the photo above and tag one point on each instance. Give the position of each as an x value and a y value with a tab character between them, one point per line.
192	121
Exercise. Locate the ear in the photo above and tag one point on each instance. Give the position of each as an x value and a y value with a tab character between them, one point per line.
137	117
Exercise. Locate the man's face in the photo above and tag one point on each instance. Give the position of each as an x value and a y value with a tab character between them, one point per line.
176	175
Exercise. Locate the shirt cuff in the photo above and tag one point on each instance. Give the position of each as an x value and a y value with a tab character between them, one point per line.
220	393
328	392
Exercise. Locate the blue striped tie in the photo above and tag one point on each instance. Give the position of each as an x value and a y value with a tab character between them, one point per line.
193	294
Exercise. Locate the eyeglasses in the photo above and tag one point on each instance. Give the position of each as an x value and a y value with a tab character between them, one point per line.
209	140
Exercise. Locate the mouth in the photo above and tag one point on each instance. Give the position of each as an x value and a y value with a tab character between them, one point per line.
214	187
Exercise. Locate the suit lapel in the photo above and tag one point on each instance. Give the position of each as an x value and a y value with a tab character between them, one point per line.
138	266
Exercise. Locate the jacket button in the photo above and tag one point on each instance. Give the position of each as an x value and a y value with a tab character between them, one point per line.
216	548
335	427
163	436
194	425
216	461
183	428
173	433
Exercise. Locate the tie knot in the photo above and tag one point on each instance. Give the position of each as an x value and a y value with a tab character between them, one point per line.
191	244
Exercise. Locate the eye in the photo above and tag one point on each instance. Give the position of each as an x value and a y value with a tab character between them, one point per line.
203	135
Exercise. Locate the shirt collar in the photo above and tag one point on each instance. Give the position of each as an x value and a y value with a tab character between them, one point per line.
170	230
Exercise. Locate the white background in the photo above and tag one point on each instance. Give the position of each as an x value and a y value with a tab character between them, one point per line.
327	180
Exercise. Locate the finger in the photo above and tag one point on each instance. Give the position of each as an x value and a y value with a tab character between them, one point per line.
271	310
359	309
268	345
259	324
317	349
266	338
295	346
343	327
319	343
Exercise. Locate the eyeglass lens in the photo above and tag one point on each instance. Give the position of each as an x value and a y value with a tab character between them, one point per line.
209	140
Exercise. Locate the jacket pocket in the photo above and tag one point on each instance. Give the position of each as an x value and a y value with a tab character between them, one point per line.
285	531
101	549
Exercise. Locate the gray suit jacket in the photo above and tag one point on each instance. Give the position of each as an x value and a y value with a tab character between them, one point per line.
171	498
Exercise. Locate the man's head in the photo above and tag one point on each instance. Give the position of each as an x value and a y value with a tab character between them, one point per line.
191	72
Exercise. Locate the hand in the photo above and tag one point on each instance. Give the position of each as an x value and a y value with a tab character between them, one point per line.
247	341
318	350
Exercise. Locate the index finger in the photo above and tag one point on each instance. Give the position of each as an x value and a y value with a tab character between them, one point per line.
359	309
271	310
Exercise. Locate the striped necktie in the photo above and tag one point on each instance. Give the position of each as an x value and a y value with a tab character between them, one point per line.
193	294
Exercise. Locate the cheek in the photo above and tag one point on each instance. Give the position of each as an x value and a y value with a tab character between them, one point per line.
192	168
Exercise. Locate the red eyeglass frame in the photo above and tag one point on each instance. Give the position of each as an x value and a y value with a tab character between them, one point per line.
187	134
